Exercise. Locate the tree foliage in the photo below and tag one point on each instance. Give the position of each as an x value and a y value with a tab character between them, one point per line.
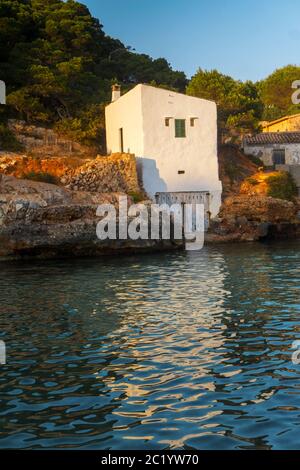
59	64
239	104
282	186
242	105
276	92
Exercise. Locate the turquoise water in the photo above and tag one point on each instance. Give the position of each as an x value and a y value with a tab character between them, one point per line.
167	351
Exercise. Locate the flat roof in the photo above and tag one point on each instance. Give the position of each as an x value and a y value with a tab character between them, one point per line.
163	90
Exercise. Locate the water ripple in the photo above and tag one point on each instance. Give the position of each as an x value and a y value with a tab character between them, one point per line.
168	351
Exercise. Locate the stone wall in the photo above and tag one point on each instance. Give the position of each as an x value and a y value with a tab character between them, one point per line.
287	124
116	172
265	153
44	141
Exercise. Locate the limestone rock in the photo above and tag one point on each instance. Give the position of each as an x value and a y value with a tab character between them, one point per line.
116	172
44	220
250	218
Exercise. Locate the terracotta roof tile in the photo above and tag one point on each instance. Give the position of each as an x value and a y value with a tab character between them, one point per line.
273	138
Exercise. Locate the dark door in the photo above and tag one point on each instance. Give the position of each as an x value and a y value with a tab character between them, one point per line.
279	157
121	140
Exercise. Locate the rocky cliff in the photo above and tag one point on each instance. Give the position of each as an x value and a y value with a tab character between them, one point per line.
20	165
234	167
255	217
114	173
44	220
248	213
39	219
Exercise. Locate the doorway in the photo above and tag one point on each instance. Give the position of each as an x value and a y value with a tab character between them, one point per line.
121	140
279	156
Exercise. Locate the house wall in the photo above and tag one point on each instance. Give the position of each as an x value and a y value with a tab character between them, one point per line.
165	155
160	155
265	152
125	113
287	125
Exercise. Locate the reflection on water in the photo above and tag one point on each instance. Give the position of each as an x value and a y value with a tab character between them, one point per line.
168	351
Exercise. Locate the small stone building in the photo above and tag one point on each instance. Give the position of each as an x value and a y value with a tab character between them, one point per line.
274	148
277	150
283	124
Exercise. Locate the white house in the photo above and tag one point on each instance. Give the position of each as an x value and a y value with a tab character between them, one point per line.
174	137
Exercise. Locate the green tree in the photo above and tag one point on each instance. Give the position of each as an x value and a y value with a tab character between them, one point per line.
276	92
58	65
239	104
212	85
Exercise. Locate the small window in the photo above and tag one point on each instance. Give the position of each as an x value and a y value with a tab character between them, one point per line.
180	128
167	121
192	121
181	172
279	156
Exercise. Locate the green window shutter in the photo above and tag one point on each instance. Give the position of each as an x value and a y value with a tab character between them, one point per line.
180	128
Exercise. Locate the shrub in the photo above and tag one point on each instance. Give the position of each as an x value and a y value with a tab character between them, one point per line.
252	181
256	160
8	140
137	196
281	186
42	177
232	171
